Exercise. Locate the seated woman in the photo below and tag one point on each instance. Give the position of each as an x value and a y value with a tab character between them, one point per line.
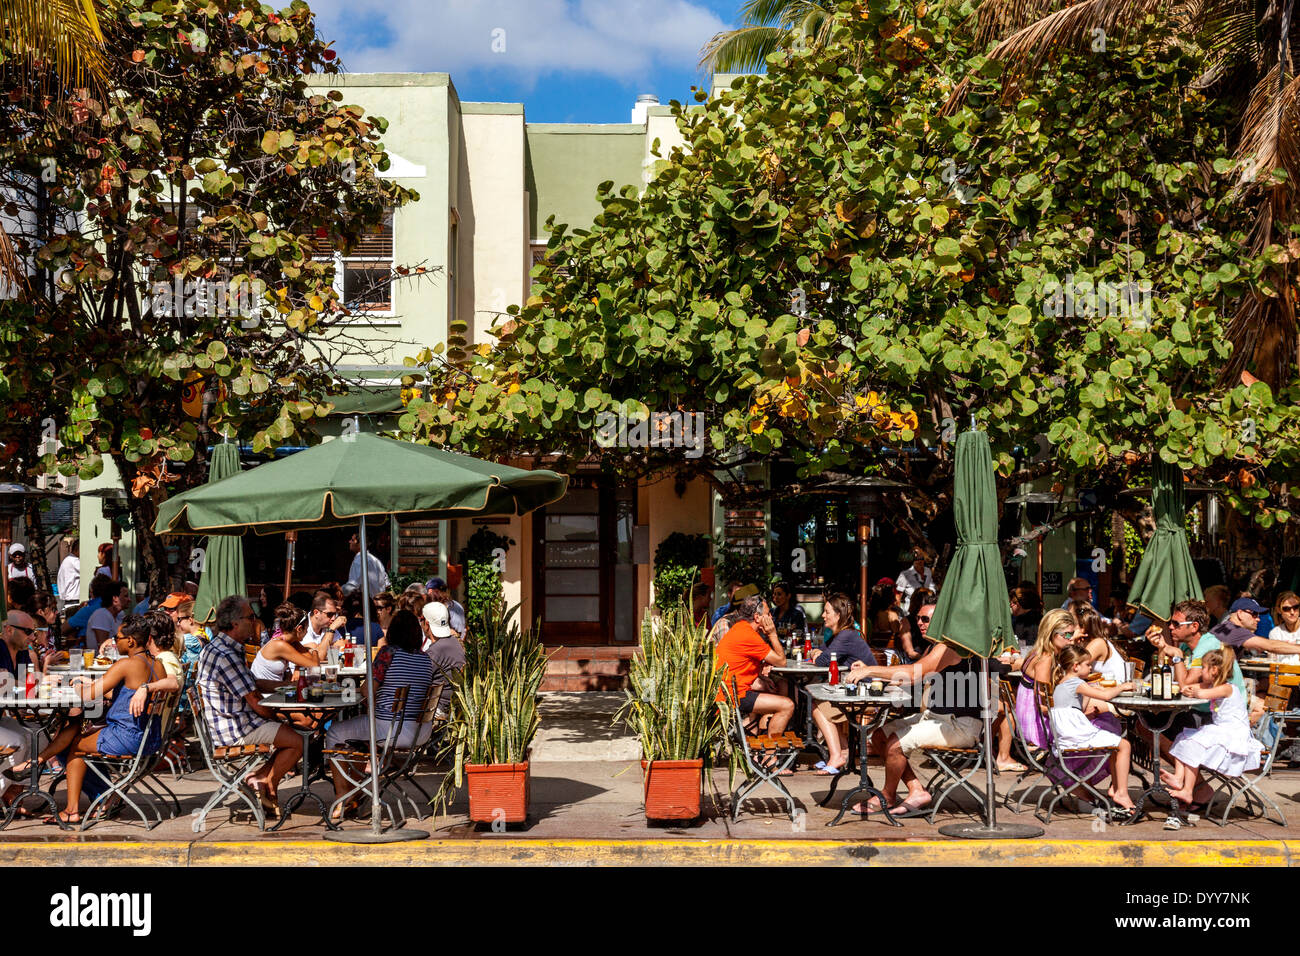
399	664
847	645
162	648
121	734
1055	631
271	665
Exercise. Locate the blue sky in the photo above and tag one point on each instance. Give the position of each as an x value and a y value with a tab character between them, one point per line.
567	61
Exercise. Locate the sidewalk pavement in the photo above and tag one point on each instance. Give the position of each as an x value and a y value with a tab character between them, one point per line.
586	806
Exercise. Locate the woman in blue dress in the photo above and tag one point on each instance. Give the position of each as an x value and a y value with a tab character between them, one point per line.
121	734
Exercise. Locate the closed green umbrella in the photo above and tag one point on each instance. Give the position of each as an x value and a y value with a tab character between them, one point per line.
223	559
342	482
1166	574
973	613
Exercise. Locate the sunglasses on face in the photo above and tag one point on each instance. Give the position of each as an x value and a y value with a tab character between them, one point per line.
26	630
1291	607
924	618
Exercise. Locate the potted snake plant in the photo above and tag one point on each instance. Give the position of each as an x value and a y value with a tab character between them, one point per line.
493	721
672	707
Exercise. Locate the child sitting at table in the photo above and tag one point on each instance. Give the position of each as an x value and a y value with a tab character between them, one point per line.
1073	731
1224	746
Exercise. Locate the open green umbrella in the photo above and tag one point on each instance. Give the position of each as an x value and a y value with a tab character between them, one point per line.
973	613
1166	574
342	482
339	482
223	559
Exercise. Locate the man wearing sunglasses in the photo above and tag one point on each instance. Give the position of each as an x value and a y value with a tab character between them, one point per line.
1238	631
15	660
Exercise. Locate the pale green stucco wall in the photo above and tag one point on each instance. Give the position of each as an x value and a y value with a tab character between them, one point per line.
568	161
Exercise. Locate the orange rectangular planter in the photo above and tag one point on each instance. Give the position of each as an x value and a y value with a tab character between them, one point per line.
497	792
672	789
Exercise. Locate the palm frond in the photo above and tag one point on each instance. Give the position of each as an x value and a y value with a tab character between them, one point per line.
767	26
57	41
1071	28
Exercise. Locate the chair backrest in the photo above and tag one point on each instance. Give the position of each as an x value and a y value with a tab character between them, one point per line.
1044	710
250	652
1284	675
429	706
200	722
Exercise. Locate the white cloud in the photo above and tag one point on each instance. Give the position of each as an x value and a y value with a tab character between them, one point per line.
622	39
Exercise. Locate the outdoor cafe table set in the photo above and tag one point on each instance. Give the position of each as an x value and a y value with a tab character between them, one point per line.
39	713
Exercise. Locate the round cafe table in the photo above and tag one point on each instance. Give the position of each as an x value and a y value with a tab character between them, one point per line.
800	675
280	700
1156	716
855	707
37	715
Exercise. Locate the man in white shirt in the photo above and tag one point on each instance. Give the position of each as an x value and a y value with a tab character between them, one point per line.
324	625
375	569
911	579
68	580
18	566
103	623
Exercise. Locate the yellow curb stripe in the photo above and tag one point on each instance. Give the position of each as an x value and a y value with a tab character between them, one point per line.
490	851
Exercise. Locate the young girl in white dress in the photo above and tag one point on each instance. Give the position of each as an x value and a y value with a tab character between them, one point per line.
1224	746
1072	730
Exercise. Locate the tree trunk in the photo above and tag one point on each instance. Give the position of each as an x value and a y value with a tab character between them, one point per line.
36	533
150	548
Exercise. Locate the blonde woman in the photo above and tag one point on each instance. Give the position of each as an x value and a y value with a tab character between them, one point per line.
1055	631
1287	614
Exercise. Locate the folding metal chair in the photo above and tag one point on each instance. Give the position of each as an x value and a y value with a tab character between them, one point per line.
782	750
350	755
955	767
406	760
1058	762
1032	755
229	766
1256	802
123	774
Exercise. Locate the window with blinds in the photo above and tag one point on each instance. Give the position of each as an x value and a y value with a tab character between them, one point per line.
364	274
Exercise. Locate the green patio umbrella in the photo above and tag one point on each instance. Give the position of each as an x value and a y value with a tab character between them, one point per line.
223	558
339	482
973	613
1166	574
342	482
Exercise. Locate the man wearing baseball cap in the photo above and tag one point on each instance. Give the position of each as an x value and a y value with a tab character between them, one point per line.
1238	630
18	566
443	649
439	592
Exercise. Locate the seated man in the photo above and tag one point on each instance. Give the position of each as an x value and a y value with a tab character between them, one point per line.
16	662
749	644
950	718
1237	631
233	706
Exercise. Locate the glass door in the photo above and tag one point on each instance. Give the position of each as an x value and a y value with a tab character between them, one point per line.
570	567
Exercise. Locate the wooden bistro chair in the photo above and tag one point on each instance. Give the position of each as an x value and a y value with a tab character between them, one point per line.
781	750
1060	776
401	768
229	766
356	753
1245	788
123	775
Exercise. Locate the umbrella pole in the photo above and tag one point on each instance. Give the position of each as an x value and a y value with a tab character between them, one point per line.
376	833
990	829
290	537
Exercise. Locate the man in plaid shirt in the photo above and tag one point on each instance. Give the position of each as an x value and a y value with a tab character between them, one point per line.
231	702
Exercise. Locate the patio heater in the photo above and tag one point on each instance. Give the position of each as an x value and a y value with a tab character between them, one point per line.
1038	506
866	495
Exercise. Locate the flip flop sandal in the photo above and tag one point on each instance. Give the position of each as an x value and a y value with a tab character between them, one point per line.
820	765
906	810
1121	813
828	771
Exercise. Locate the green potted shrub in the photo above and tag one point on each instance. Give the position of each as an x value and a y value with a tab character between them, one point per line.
679	560
483	589
673	709
743	567
493	721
